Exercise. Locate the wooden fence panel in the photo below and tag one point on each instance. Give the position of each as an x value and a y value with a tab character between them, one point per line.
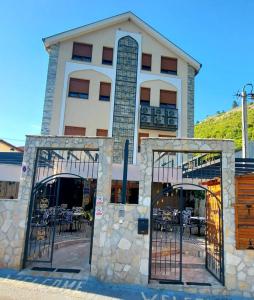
244	212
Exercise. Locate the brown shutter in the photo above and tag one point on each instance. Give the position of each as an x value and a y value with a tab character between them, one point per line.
105	89
80	49
107	54
79	86
167	97
168	64
141	135
146	60
72	130
101	132
145	94
165	135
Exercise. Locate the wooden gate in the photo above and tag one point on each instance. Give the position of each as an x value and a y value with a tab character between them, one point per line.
214	229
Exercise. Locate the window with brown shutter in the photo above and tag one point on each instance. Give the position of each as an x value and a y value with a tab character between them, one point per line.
82	52
141	135
101	132
79	88
145	96
146	62
105	89
107	56
167	98
168	65
72	130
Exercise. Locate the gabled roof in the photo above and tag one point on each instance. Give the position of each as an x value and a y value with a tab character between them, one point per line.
48	41
19	149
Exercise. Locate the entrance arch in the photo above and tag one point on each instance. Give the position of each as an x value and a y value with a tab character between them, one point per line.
186	236
55	219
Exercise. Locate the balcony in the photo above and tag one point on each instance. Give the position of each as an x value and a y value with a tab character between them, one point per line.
158	118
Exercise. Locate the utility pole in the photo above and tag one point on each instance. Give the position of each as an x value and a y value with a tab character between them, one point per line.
245	144
244	96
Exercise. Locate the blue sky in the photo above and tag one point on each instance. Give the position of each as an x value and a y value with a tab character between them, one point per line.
217	33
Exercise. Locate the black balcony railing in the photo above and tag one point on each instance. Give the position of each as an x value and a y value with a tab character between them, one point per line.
160	118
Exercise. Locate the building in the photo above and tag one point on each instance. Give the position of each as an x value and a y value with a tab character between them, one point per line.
107	82
7	147
120	78
10	161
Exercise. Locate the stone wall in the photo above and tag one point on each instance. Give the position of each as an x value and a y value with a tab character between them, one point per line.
190	101
14	213
119	253
50	89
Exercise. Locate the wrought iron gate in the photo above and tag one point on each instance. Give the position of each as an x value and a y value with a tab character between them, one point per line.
175	175
48	216
43	221
166	237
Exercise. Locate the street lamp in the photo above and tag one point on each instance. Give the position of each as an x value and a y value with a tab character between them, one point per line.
244	96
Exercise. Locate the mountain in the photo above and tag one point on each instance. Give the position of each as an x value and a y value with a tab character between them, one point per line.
226	125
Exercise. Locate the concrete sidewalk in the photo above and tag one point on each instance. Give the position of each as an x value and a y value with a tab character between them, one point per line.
13	285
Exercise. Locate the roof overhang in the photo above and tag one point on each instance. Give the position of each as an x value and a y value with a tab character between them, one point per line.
128	16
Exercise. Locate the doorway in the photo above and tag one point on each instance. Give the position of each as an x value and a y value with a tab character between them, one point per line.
186	243
61	214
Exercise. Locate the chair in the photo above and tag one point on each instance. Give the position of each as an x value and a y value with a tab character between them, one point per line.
66	220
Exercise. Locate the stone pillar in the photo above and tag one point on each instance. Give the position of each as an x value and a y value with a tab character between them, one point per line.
190	101
125	98
50	89
120	254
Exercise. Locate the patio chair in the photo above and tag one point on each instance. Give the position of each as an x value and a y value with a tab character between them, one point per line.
66	221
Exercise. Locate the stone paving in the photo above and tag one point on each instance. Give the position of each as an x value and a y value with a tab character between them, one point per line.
15	286
74	256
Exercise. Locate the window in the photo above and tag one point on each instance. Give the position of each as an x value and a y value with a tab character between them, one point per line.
101	132
146	62
79	88
145	96
107	56
9	189
132	192
105	89
168	65
167	99
141	135
72	130
82	52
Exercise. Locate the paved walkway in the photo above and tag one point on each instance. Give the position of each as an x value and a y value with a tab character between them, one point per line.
14	285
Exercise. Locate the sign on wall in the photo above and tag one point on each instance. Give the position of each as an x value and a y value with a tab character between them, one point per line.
99	207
